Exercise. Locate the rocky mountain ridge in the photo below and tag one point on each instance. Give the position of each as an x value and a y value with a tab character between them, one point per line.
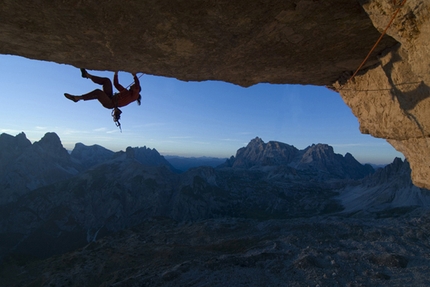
28	166
88	156
185	163
389	191
25	167
115	191
319	158
249	216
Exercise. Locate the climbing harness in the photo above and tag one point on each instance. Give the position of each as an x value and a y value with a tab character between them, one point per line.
379	39
116	112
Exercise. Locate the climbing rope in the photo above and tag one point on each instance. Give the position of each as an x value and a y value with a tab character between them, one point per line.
377	42
133	82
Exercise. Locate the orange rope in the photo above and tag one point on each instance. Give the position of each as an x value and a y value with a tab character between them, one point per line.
377	42
133	81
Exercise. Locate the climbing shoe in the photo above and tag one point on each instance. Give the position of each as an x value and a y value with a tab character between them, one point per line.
70	97
84	73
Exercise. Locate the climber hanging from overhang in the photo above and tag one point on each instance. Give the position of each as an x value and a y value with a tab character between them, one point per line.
106	96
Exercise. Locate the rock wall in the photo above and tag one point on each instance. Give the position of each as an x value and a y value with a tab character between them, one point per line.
392	99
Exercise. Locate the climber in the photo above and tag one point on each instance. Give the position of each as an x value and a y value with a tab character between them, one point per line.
106	96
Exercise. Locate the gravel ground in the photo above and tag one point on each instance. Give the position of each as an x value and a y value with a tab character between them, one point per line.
318	251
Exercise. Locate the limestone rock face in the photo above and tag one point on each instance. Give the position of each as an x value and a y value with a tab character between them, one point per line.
243	42
318	159
376	193
89	156
25	167
248	42
392	100
259	153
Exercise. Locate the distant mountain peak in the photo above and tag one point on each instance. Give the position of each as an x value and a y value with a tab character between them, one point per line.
129	151
256	140
256	143
321	147
348	155
319	158
148	157
89	156
49	140
319	151
258	153
50	137
397	162
21	137
19	142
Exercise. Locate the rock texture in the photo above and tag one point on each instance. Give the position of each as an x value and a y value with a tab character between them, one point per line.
242	252
294	41
243	42
388	191
89	156
392	100
25	166
318	159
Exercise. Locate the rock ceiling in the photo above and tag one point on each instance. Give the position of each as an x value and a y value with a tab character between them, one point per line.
242	42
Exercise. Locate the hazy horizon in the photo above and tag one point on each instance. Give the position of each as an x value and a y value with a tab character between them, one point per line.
201	156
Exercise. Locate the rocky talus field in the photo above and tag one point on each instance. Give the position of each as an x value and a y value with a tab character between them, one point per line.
318	251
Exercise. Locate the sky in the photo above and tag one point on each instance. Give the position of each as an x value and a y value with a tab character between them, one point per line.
191	119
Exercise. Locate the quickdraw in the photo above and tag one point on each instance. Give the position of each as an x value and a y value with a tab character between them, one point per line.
116	115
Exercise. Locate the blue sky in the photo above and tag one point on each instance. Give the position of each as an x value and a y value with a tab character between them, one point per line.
179	118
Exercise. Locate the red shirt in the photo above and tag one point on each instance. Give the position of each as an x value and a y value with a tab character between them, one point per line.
126	96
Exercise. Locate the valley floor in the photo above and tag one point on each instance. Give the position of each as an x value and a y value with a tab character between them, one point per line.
318	251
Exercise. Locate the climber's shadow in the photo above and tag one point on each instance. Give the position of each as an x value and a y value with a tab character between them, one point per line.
410	99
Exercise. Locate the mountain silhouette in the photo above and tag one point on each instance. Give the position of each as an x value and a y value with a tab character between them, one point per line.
62	202
319	158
